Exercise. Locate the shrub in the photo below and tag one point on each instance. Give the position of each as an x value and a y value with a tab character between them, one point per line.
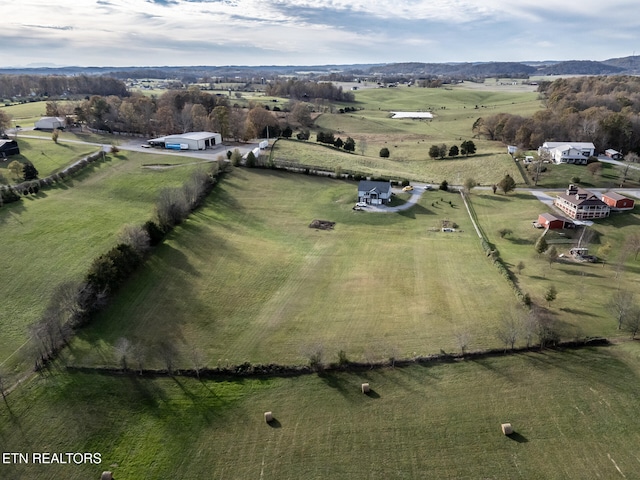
444	186
156	234
384	152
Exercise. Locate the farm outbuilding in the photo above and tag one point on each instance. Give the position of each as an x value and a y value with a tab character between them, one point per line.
188	141
8	147
50	123
618	202
554	222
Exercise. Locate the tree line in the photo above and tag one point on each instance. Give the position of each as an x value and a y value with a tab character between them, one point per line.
601	110
179	111
306	90
28	86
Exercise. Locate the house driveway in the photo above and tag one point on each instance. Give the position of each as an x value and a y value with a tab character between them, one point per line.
418	190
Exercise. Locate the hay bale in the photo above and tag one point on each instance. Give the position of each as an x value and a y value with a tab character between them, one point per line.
268	417
106	476
366	388
507	429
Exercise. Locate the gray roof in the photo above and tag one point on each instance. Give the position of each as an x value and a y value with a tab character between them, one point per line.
369	185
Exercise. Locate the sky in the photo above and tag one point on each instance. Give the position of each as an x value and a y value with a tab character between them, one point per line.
313	32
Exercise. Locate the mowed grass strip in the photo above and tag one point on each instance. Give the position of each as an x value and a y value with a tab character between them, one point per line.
53	237
573	413
246	279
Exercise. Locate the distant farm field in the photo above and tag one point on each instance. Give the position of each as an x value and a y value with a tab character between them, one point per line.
574	415
246	279
455	110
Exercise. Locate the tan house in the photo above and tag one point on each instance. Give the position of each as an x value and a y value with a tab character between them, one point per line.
581	204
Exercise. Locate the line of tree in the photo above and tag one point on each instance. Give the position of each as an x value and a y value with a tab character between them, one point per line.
179	111
329	138
601	110
308	90
468	147
30	86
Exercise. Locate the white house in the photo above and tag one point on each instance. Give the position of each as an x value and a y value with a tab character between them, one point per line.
568	152
188	141
50	123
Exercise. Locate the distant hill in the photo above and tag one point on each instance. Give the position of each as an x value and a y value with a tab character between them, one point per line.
624	65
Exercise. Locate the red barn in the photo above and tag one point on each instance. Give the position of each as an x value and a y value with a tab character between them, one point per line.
553	222
617	201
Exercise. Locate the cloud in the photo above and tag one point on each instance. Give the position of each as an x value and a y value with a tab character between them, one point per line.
129	32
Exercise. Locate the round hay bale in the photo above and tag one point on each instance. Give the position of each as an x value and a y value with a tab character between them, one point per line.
268	417
366	388
106	476
507	429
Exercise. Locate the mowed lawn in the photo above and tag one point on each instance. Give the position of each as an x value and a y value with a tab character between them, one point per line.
246	279
583	288
53	237
574	415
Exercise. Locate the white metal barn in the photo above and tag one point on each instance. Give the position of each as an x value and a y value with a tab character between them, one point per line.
49	123
189	141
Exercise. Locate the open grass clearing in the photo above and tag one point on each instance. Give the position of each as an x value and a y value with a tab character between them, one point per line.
573	413
246	279
52	237
486	169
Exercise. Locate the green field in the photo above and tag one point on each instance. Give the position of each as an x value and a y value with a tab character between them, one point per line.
246	279
52	237
409	140
574	414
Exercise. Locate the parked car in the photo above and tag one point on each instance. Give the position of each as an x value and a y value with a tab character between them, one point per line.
361	204
408	188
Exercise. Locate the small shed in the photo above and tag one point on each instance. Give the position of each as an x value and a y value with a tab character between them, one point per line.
618	202
50	123
614	154
554	222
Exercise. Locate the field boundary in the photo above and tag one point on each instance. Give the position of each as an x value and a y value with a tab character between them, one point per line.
249	370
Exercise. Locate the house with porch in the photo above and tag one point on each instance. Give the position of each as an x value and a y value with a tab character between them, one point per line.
581	204
568	152
373	192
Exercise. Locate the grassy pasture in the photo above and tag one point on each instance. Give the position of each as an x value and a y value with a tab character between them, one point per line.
409	140
484	168
53	237
47	156
583	288
245	279
25	114
574	415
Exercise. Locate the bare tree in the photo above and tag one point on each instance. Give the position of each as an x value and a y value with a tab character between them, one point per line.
508	331
520	267
315	355
197	360
463	338
620	303
136	237
631	322
139	355
122	349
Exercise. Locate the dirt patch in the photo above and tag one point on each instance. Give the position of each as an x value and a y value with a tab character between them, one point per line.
322	224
